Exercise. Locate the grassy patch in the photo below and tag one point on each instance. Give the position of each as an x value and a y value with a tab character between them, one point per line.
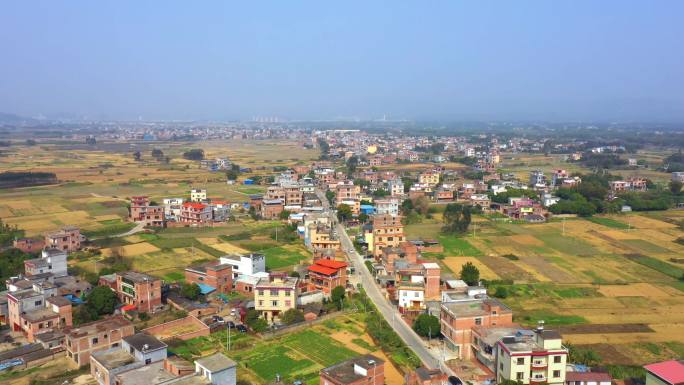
454	246
608	222
364	344
562	244
646	246
279	257
174	276
322	349
658	265
109	230
550	318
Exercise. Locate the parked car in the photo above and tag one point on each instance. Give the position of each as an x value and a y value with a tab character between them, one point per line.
241	328
217	319
453	380
231	324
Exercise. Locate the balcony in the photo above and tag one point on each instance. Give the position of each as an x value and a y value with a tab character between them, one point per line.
541	364
538	380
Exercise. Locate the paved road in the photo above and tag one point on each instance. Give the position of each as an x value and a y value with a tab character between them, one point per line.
387	310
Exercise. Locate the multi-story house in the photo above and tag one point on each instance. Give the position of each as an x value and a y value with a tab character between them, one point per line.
245	264
532	357
459	316
395	187
133	288
94	336
387	206
142	212
321	236
38	310
271	208
198	195
195	213
362	370
557	177
327	274
416	283
69	239
537	178
631	184
430	178
386	231
348	193
172	208
275	295
215	275
53	261
481	200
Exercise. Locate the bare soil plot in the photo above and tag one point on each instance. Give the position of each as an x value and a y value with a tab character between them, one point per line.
604	329
228	248
132	250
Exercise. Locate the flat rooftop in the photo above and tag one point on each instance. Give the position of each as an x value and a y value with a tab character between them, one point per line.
153	373
111	323
137	276
344	371
113	358
475	307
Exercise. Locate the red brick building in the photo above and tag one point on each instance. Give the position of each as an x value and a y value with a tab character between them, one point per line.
28	245
94	336
326	274
138	289
214	274
69	239
271	208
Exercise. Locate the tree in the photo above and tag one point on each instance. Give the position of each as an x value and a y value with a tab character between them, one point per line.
251	316
380	193
157	154
232	174
137	156
352	163
456	218
676	187
421	205
190	291
344	212
294	274
501	292
84	314
292	316
284	215
426	325
194	154
30	142
101	300
259	325
337	296
143	316
330	196
363	217
470	274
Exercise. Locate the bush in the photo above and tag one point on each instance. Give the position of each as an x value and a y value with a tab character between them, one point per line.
501	292
292	316
143	316
427	325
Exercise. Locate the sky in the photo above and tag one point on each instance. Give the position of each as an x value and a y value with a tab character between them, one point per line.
608	60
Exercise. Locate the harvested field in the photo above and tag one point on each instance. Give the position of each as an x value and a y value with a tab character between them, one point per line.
525	240
228	248
132	250
633	290
455	264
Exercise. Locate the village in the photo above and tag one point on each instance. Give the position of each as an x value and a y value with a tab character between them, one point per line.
352	210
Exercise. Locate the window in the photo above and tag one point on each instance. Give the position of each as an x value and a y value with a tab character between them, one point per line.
38	303
148	361
261	303
287	293
274	292
95	340
416	294
478	321
557	359
521	361
519	375
261	292
556	373
274	303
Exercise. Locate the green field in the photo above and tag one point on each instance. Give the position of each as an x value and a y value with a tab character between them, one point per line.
608	222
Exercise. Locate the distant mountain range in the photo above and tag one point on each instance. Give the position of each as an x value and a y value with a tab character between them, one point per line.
15	119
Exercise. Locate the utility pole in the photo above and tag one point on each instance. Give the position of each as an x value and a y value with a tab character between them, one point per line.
563	226
228	336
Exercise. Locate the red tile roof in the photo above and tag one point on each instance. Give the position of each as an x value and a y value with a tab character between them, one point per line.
322	270
195	205
671	371
331	263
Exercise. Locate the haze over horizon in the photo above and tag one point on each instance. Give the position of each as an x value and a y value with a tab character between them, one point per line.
525	60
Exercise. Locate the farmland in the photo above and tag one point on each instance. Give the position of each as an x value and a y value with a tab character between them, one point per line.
600	275
296	355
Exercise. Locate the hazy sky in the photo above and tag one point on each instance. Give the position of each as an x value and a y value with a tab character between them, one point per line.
555	60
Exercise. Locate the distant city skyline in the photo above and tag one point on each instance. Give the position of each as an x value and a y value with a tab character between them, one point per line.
451	60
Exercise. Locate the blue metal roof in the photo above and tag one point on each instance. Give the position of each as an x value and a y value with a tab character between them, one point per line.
206	289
